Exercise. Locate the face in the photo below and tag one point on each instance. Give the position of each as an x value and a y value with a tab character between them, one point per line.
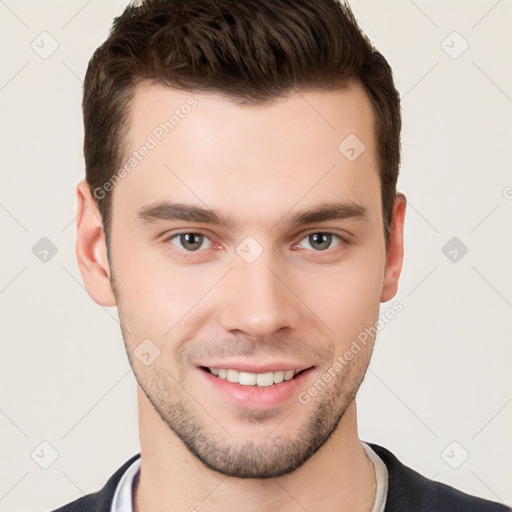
247	255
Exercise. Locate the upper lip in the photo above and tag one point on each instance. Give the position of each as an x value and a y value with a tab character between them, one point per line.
261	368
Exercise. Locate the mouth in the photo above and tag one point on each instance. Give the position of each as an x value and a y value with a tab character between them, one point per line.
262	387
261	380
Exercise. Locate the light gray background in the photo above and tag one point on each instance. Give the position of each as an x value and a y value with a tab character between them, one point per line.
441	369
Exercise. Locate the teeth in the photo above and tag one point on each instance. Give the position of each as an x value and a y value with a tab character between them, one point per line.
265	379
232	375
253	379
279	377
247	379
289	374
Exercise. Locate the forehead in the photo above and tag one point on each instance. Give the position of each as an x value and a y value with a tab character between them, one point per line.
254	160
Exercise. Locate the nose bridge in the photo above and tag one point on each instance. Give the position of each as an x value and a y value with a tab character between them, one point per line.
255	298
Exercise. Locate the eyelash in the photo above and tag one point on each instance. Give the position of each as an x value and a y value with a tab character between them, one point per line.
342	241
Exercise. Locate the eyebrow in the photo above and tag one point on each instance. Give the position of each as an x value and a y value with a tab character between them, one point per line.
168	211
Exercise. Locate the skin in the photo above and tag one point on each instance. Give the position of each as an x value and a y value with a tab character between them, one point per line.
294	303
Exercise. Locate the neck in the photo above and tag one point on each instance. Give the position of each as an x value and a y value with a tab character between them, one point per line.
339	477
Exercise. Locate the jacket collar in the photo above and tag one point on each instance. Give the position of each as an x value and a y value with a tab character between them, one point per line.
407	491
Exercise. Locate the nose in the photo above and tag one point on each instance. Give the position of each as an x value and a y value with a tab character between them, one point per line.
258	300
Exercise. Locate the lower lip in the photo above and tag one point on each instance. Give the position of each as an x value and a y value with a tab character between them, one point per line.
255	397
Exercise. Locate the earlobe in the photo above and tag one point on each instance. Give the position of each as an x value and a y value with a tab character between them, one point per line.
91	250
395	252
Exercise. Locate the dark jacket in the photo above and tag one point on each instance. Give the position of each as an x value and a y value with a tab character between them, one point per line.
408	491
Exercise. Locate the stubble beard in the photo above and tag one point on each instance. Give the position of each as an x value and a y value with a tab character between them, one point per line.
271	455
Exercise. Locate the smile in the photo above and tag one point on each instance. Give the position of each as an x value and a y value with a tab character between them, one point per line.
253	379
252	387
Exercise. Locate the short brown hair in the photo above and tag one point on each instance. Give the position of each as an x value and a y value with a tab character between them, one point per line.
250	51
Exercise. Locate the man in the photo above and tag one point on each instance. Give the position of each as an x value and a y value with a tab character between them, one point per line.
240	210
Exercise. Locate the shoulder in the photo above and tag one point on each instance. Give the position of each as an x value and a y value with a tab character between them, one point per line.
100	501
84	504
408	490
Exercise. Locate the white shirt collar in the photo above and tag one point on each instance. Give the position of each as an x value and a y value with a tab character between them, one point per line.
123	497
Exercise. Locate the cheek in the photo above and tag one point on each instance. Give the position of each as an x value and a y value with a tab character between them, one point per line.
347	297
155	296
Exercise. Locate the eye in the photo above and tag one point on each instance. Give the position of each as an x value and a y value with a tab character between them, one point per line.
320	241
191	242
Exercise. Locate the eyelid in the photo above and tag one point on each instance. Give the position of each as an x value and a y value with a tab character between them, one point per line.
327	231
168	235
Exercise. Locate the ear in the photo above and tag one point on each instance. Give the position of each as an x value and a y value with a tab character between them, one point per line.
395	252
91	249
